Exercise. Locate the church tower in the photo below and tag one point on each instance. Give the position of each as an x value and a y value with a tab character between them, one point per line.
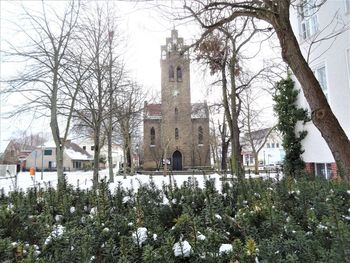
175	129
176	101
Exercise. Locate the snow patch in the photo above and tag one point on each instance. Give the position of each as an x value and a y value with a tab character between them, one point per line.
140	236
182	249
165	200
225	248
126	199
201	236
58	218
57	232
218	216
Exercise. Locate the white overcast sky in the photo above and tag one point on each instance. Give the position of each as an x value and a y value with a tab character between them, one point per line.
145	29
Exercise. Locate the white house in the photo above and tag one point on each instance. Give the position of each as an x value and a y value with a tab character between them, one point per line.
329	58
271	153
44	157
117	151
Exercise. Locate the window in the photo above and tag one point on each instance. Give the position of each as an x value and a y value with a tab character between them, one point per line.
200	135
268	145
48	152
273	145
308	18
92	148
77	164
323	170
178	74
176	133
347	5
84	148
176	112
277	145
320	74
171	73
153	136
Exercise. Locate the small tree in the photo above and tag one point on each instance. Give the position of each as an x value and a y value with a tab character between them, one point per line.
288	116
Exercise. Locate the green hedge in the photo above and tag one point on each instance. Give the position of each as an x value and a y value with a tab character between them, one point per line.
287	221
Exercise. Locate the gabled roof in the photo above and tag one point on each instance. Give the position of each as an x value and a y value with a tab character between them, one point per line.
259	134
75	152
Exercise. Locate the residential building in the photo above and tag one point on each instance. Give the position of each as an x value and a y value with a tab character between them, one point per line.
176	128
44	157
117	152
16	153
271	153
325	42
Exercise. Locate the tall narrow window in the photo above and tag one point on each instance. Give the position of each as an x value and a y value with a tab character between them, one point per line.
176	133
307	18
153	136
200	135
320	74
176	112
178	74
171	73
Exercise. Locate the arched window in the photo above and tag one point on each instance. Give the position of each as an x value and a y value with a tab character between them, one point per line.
200	135
178	74
171	73
163	54
153	136
176	133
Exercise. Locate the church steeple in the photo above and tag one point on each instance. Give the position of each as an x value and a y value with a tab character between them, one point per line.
174	130
175	71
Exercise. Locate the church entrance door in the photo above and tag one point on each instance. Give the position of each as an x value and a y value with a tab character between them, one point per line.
177	160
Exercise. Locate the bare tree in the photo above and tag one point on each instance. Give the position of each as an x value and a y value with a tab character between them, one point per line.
222	49
254	127
46	80
93	107
28	140
276	14
129	119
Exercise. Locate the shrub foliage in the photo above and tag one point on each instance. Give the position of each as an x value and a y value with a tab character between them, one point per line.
284	221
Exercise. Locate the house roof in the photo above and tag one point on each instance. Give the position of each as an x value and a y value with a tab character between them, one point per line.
75	152
153	111
259	134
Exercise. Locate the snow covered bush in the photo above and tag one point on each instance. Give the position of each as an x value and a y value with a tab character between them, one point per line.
287	221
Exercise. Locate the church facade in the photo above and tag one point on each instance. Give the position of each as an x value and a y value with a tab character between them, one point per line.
176	131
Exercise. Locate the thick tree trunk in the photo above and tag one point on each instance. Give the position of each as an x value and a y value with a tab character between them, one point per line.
224	148
60	167
236	157
55	130
256	163
321	113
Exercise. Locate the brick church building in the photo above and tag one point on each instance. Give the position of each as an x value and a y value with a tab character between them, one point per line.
176	130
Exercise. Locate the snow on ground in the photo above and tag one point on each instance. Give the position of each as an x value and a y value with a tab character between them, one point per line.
83	180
